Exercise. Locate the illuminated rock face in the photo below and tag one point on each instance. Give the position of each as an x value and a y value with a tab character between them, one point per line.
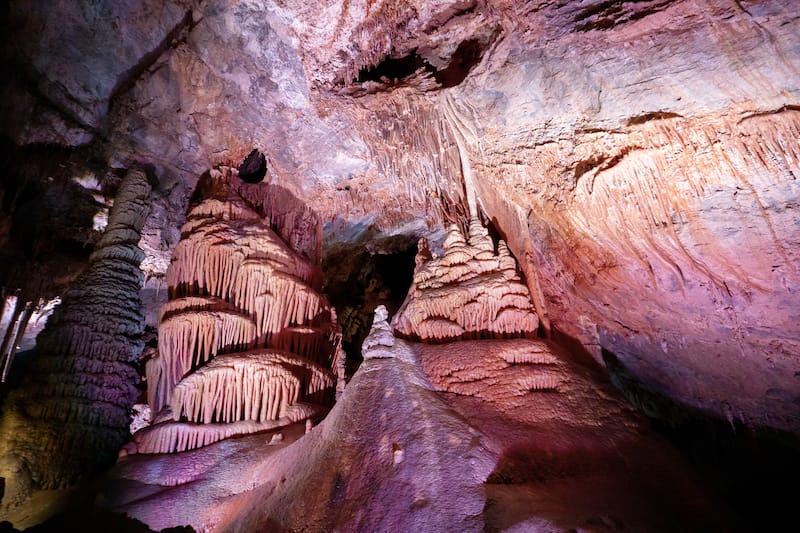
640	163
470	292
518	423
69	416
640	160
671	254
245	338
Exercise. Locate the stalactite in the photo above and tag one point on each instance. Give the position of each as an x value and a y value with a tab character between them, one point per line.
429	182
18	322
258	385
192	338
69	416
194	303
211	254
172	437
245	336
462	134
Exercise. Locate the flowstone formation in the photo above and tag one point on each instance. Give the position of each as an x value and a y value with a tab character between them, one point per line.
472	435
470	292
558	430
68	417
246	342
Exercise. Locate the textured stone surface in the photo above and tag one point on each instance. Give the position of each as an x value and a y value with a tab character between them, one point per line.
395	455
245	335
69	416
71	59
470	292
639	158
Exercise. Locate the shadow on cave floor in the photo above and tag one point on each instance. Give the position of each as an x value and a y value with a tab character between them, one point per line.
747	468
92	520
688	471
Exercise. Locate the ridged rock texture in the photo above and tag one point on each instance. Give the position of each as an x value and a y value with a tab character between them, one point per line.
640	159
470	292
520	440
246	342
69	417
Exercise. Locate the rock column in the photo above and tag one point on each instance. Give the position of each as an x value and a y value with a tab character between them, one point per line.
69	416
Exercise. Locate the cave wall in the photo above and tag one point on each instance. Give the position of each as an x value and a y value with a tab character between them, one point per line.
640	158
658	208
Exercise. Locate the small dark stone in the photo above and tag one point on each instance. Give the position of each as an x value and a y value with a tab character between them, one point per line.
253	168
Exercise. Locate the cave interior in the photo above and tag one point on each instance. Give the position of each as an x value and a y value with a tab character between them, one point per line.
464	265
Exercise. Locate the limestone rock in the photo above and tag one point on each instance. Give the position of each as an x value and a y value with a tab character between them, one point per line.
469	292
69	417
429	468
380	336
240	298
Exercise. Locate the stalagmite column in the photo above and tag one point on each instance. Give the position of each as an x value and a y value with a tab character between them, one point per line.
69	417
247	342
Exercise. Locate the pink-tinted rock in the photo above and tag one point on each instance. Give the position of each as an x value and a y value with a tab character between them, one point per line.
394	455
239	295
640	160
468	293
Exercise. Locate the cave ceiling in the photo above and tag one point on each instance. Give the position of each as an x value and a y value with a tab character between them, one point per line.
640	158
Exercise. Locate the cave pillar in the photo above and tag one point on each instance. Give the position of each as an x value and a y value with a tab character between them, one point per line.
69	416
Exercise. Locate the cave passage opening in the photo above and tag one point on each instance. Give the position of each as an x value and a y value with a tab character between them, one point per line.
359	280
466	56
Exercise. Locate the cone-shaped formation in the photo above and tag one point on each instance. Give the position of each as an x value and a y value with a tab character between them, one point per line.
468	293
69	416
378	343
245	337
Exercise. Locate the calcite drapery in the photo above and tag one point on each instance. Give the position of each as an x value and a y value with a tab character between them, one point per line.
468	293
246	336
69	417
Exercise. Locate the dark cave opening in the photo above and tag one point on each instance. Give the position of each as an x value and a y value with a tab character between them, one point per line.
464	59
358	281
46	218
746	468
394	68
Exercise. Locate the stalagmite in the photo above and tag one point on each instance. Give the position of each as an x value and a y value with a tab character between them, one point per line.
246	336
380	340
468	293
70	414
